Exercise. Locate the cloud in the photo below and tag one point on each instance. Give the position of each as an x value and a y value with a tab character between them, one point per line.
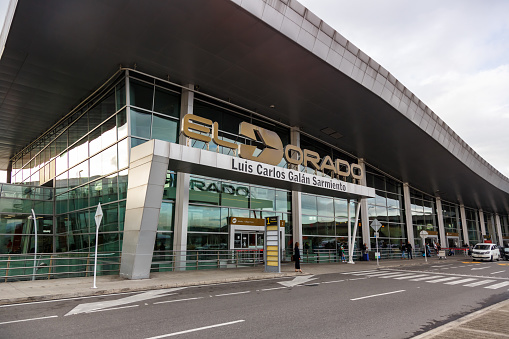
453	55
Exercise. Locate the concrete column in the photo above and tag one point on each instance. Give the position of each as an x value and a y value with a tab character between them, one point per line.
364	208
408	214
483	227
440	217
464	226
147	174
182	192
499	230
296	195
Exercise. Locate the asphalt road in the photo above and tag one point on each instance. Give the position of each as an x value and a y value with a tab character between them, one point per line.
386	303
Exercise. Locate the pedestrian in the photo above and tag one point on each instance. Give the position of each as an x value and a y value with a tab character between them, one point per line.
409	250
403	250
342	252
296	257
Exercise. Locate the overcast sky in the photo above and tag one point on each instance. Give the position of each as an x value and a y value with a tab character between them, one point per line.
454	55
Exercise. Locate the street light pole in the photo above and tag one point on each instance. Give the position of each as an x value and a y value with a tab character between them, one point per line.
35	249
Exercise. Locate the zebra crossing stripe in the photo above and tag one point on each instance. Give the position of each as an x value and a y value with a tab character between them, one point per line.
482	282
459	281
426	278
410	277
358	272
440	280
494	287
384	274
370	273
397	275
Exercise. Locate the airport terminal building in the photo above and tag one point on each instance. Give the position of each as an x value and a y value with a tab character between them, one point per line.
191	121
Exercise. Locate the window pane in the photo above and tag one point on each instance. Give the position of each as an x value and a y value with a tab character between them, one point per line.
167	103
308	204
141	94
204	219
140	124
164	129
166	217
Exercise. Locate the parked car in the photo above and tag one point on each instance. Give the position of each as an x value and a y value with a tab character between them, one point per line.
504	252
484	251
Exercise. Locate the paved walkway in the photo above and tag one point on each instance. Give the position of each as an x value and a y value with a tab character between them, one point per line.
490	322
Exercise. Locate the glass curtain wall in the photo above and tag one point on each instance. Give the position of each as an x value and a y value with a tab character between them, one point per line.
452	224
325	224
423	216
473	226
17	228
212	201
388	208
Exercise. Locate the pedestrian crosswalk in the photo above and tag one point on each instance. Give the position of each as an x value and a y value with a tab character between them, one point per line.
434	278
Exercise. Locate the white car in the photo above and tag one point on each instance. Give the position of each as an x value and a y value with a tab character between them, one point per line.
485	251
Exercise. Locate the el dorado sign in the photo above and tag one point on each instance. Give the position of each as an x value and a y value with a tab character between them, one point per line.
273	151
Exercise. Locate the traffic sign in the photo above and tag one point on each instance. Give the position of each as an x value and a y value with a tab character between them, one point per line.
377	234
375	224
423	234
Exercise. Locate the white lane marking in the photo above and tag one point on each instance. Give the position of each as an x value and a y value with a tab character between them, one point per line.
377	295
355	272
174	301
75	298
85	308
482	282
397	275
274	288
196	329
371	272
410	277
304	279
459	281
440	280
357	279
18	321
233	293
498	272
442	265
114	308
494	287
426	278
382	274
480	268
333	281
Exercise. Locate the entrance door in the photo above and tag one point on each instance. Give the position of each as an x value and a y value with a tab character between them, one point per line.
248	240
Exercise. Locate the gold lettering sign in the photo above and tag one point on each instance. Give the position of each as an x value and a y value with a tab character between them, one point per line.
273	151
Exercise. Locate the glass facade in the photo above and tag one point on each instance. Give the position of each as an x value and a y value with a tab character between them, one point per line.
325	224
388	208
84	161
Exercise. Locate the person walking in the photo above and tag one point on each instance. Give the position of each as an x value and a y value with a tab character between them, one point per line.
403	250
409	250
342	253
296	257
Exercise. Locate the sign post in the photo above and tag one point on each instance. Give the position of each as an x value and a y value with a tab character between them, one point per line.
98	217
272	245
375	225
35	248
423	235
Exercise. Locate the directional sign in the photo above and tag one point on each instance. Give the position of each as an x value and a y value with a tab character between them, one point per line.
423	234
98	215
375	224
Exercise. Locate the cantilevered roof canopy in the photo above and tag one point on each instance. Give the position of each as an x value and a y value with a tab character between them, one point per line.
58	51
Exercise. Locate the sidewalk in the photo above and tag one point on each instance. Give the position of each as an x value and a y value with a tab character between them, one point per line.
481	323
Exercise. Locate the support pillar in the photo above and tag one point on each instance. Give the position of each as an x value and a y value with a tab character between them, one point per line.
408	214
296	195
440	217
464	225
483	227
364	209
182	192
499	230
146	178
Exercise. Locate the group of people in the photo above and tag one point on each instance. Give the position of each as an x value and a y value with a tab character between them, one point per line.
406	249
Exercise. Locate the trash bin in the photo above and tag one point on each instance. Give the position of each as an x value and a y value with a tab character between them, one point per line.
365	256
